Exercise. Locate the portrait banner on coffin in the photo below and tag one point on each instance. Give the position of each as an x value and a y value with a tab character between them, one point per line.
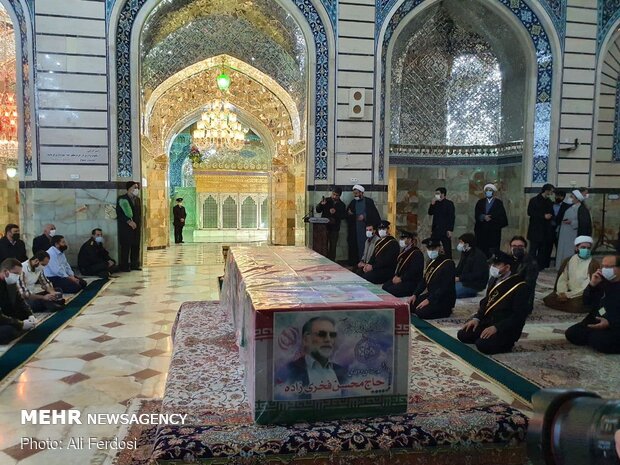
321	355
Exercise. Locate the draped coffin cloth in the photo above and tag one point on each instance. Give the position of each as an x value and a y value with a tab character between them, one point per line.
271	292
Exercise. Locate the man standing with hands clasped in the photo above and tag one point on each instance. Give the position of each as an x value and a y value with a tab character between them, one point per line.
334	209
179	220
129	215
442	211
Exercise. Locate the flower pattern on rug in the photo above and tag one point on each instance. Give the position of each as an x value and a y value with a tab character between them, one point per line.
446	406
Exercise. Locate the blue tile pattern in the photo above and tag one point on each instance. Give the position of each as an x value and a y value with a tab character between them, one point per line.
544	58
555	8
608	14
23	34
616	148
127	16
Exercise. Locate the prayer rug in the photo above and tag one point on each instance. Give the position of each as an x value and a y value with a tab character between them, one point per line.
451	416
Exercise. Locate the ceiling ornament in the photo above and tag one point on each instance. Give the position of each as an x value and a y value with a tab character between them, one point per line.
218	126
195	71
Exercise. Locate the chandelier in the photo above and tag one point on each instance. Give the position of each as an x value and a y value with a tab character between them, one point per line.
219	126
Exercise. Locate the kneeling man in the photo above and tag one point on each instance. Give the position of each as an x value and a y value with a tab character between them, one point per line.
601	328
502	313
435	296
409	267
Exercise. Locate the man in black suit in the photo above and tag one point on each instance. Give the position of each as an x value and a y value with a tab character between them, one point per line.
472	272
442	211
11	246
380	268
334	209
435	295
44	241
525	266
15	315
129	220
179	220
304	376
490	217
502	313
361	212
94	259
409	267
540	231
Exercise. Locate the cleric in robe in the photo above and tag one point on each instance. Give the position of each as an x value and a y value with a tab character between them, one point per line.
313	375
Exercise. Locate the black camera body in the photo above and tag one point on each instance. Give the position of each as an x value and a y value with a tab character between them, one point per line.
573	427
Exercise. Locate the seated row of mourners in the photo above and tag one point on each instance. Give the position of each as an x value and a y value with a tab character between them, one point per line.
432	285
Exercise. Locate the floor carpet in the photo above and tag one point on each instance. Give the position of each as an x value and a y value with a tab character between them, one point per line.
451	409
18	352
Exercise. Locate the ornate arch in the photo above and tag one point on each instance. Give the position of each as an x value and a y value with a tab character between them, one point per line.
22	24
543	47
122	29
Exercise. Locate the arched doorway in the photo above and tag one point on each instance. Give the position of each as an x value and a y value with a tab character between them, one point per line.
467	101
9	123
291	42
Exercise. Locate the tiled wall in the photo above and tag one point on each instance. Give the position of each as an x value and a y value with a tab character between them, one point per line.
75	105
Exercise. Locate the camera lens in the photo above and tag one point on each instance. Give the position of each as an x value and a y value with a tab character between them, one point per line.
573	427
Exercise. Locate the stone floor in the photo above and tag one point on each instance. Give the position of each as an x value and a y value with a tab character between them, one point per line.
117	349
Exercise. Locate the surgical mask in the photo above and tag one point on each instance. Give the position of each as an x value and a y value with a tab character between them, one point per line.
12	278
488	194
382	232
518	252
39	268
608	273
461	247
52	232
369	234
437	196
585	253
402	243
494	272
16	236
99	239
136	192
568	200
432	254
358	198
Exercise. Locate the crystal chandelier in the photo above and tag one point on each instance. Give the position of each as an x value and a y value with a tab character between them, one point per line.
218	126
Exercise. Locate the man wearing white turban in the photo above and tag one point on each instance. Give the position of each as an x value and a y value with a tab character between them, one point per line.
576	222
573	277
490	218
361	212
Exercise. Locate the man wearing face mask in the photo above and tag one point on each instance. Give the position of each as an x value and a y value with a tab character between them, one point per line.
409	267
44	241
94	259
442	211
361	212
502	313
540	230
573	277
525	266
58	270
333	209
472	272
43	298
369	248
11	246
382	263
179	214
601	328
435	295
490	218
129	220
15	315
